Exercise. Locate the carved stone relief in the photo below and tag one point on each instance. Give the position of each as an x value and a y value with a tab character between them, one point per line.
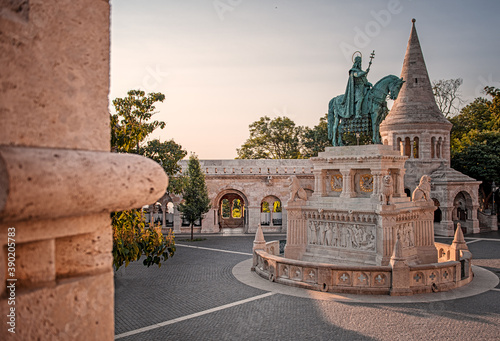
366	183
336	182
341	235
406	235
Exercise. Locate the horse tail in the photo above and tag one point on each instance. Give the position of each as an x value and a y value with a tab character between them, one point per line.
330	119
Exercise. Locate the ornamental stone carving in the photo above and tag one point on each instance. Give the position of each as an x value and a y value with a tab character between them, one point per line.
387	190
341	235
336	182
296	191
423	190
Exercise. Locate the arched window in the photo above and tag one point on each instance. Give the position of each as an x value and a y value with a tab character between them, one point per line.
237	209
416	146
169	216
433	147
438	148
232	211
270	212
398	143
225	209
265	214
437	213
407	147
158	214
408	192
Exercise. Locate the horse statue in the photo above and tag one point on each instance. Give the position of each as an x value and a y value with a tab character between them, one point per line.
373	108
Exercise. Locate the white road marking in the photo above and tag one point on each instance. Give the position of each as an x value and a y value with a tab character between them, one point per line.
473	241
187	317
211	249
485	239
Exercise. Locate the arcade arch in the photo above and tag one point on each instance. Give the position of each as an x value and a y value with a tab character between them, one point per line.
271	211
231	210
462	210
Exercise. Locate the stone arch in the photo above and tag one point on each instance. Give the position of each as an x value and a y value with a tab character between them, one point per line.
433	147
439	147
161	212
438	215
271	211
416	147
237	203
462	209
408	192
158	212
229	189
407	144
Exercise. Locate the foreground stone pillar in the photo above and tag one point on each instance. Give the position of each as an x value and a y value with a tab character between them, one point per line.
58	180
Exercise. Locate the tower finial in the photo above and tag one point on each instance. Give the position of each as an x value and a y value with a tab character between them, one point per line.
413	20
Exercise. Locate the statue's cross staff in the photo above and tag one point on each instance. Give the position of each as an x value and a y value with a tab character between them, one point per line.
372	55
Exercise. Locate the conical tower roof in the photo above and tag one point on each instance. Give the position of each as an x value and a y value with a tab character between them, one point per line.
415	103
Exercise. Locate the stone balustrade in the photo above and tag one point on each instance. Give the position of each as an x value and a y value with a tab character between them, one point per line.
253	167
442	276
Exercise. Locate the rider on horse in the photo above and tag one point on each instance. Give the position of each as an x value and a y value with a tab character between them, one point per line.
356	90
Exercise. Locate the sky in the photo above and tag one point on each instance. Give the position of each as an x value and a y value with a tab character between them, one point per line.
223	64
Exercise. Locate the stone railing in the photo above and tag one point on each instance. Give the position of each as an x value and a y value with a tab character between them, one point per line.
362	279
253	167
487	220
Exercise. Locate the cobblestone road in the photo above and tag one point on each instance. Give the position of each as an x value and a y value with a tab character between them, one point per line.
194	296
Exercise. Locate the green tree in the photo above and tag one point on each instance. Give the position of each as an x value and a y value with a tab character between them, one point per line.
131	240
474	116
195	194
315	140
167	154
130	126
278	138
475	142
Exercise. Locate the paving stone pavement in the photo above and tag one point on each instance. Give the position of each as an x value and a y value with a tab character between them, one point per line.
194	296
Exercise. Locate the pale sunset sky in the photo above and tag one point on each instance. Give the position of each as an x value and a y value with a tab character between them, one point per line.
223	64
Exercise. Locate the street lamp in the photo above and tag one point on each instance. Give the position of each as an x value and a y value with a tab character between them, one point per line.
493	190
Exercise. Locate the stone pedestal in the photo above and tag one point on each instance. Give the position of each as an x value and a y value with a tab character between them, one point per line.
361	211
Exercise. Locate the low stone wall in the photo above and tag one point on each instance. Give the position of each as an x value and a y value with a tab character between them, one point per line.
487	220
377	280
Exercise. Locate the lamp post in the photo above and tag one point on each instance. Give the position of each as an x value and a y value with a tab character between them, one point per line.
493	190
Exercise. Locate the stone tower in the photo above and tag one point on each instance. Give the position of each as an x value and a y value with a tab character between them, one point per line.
416	127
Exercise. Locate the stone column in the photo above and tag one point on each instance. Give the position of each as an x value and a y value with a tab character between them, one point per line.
324	183
177	220
58	180
446	226
474	220
163	213
347	190
318	182
412	146
402	147
377	176
253	213
401	183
